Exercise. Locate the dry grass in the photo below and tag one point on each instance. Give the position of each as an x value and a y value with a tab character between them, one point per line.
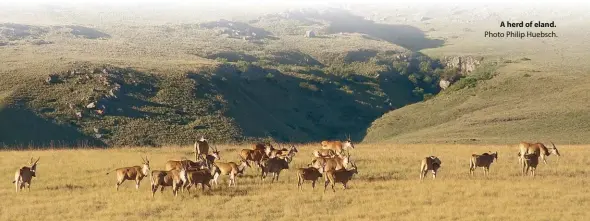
72	185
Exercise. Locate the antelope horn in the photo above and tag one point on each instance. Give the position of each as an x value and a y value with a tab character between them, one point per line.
37	160
552	144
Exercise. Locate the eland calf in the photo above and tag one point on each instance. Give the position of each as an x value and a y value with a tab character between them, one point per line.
274	166
484	161
530	161
339	176
431	163
310	173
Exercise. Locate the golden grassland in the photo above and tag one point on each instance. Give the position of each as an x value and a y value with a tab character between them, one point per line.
72	185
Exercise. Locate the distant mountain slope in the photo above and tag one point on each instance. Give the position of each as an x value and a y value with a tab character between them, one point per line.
523	102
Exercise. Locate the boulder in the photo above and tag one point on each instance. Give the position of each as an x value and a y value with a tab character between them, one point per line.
91	105
310	34
444	84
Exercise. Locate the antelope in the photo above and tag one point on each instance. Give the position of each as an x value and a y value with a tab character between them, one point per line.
537	148
484	161
210	158
195	177
178	164
274	166
136	173
309	173
325	153
530	161
339	176
25	175
201	147
172	178
338	146
429	163
335	163
230	168
262	146
255	156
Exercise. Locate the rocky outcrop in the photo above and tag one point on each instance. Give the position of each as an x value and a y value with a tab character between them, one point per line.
464	64
444	84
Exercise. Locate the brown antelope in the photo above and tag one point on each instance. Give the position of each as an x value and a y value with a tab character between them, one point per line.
230	168
335	163
195	177
537	148
339	176
173	178
530	161
201	147
274	166
25	174
338	146
429	163
255	156
325	153
262	146
484	161
309	173
136	173
210	158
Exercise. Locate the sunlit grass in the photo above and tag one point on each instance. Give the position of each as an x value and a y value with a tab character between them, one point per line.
72	185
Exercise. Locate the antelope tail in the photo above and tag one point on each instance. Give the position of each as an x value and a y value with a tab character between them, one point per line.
111	171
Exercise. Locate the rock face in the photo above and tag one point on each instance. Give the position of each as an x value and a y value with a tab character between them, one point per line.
444	84
465	64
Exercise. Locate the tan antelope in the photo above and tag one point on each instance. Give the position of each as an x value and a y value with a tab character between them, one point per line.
335	163
178	164
339	176
195	177
174	178
310	173
537	148
530	161
431	163
25	174
338	146
201	147
484	161
274	166
230	168
136	173
325	153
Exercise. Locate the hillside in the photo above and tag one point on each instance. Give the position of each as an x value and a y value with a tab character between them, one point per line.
538	93
228	80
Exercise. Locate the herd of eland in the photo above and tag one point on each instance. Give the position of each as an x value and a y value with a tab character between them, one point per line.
331	161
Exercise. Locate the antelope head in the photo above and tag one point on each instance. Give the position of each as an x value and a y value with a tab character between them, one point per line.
202	139
553	150
216	153
354	168
145	167
242	166
348	143
34	166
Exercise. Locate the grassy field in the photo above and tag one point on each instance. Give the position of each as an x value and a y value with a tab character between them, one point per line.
72	185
